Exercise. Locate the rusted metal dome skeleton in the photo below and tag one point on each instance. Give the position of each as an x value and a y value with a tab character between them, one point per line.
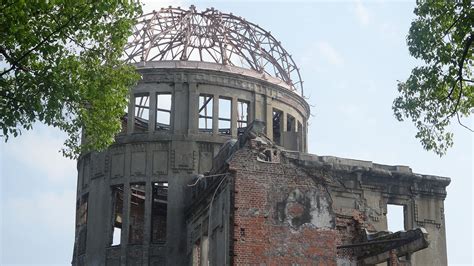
210	36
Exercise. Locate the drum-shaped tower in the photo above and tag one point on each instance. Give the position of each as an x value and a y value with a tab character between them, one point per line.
205	76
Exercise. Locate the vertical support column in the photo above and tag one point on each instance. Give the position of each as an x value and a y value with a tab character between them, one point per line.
257	109
233	118
125	224
180	124
269	116
147	223
284	121
131	114
193	99
152	117
215	115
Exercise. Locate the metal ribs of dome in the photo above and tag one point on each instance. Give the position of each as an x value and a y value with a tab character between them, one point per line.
210	36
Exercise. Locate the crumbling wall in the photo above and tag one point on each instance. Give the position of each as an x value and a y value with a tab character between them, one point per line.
282	215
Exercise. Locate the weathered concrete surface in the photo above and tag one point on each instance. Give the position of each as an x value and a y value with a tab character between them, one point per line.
144	155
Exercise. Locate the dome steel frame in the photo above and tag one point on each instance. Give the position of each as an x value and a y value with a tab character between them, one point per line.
210	36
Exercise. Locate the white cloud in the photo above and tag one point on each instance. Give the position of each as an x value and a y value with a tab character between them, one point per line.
361	13
329	53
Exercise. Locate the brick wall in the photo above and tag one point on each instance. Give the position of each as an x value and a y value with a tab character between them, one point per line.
282	215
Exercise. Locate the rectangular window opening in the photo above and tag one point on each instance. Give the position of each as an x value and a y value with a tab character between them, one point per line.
395	218
163	111
81	225
277	126
137	213
242	116
142	112
117	194
290	123
159	210
205	113
225	109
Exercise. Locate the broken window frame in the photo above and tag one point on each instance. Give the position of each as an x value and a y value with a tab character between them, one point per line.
161	109
141	122
136	232
117	214
277	124
207	116
222	119
160	219
242	115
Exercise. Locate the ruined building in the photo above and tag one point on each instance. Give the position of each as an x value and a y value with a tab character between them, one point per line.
211	167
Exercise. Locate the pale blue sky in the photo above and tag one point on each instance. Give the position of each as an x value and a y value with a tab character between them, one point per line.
350	53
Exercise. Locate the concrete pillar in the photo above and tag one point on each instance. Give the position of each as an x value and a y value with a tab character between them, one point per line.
215	115
131	114
269	117
193	100
125	223
233	122
152	119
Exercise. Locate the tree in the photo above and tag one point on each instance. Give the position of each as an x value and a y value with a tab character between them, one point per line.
60	65
441	90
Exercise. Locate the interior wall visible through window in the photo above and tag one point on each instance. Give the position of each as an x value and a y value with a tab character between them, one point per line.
225	110
142	112
242	115
277	126
205	113
163	111
290	123
300	136
81	226
117	197
159	210
137	213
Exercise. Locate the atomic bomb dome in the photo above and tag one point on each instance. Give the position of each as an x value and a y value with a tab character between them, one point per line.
214	37
211	168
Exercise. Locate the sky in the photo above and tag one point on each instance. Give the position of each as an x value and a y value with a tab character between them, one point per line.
351	55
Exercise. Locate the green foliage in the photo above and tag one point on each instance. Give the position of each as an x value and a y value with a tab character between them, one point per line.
442	90
60	65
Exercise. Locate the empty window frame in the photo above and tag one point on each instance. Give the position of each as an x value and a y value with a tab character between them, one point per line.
142	112
205	113
242	115
277	126
290	123
117	197
137	213
395	218
163	111
225	110
159	210
81	223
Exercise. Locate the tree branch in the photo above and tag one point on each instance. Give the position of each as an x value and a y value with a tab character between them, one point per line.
10	60
16	62
459	121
